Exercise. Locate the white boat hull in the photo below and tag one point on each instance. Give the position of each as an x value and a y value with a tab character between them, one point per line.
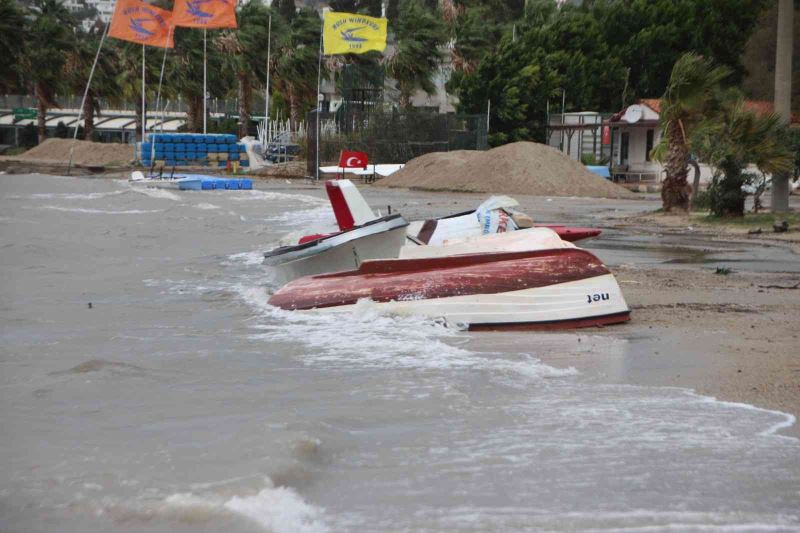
562	305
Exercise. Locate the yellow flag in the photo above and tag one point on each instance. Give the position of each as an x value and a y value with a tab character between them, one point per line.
349	33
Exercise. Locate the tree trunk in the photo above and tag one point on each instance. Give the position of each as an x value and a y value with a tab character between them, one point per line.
245	90
194	119
88	116
783	93
675	189
41	113
293	109
696	182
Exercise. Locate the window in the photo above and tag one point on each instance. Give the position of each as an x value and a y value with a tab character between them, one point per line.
649	147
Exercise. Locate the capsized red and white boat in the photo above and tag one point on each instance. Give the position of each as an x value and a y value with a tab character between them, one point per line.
529	279
495	215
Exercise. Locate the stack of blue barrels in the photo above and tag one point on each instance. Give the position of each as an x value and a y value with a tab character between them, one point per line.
193	149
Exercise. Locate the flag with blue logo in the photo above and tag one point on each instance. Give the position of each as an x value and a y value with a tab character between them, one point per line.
349	33
209	14
139	22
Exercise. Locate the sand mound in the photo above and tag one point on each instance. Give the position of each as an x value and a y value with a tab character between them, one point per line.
86	153
290	169
517	168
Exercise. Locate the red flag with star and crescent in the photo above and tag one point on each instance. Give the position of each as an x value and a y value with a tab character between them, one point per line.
208	14
350	159
139	22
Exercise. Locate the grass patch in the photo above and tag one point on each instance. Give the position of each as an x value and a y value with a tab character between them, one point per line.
16	150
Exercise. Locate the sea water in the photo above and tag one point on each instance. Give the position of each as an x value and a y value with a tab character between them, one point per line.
179	400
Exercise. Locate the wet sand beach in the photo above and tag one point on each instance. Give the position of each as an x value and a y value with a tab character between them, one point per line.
179	400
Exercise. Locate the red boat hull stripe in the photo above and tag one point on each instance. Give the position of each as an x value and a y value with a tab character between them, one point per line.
429	278
570	323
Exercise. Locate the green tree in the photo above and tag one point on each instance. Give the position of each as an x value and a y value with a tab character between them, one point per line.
78	66
286	8
687	106
186	68
244	53
554	51
419	34
297	61
47	42
13	26
736	139
650	35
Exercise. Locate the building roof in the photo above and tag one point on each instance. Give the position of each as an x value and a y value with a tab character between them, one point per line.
759	107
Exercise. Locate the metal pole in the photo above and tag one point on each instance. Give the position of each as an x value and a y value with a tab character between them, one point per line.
205	76
783	94
563	106
158	94
319	101
144	113
269	46
488	114
83	101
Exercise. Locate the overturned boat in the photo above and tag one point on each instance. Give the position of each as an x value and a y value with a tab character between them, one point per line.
529	279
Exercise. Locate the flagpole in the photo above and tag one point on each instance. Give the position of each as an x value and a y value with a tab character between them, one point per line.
319	102
158	93
85	95
205	76
144	112
269	45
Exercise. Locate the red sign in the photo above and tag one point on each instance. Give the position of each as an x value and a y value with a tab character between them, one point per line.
353	159
606	135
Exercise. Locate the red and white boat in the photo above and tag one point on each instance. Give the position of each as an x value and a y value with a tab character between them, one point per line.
529	279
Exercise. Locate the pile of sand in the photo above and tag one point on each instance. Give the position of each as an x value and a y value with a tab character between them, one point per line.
86	153
517	168
289	169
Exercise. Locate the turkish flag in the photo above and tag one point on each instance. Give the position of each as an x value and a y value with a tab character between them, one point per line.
205	13
350	159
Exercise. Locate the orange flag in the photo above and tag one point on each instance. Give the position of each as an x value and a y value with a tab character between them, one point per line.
205	13
139	22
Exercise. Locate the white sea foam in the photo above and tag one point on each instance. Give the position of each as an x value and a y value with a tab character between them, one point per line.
308	219
99	211
206	206
246	258
275	509
257	194
154	192
65	196
367	337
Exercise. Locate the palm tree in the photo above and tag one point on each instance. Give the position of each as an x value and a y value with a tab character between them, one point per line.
296	67
77	67
12	26
47	42
245	55
419	34
687	104
737	139
186	68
